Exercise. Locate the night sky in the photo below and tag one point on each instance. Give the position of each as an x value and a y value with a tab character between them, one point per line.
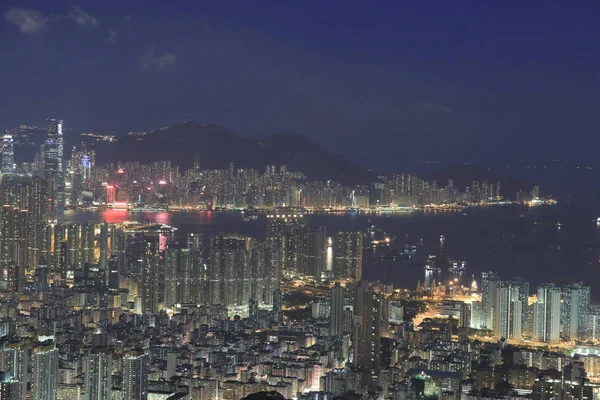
382	82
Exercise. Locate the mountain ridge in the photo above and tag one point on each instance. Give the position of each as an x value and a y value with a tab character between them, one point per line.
217	147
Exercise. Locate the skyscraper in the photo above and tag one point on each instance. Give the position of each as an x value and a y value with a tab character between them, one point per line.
278	306
103	246
229	271
150	274
98	375
486	294
8	154
367	331
315	252
13	247
253	312
194	241
14	360
336	321
192	276
507	301
575	310
286	232
53	168
171	276
37	209
135	376
86	255
546	314
10	388
27	192
265	273
348	249
45	372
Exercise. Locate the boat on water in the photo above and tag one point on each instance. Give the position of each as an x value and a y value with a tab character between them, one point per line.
249	214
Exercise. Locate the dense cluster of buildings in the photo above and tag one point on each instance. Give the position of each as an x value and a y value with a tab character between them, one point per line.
552	314
143	311
81	180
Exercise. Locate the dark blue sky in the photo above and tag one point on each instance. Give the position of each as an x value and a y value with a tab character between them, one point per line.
378	81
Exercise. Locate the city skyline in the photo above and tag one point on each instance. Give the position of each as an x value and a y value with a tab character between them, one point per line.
299	201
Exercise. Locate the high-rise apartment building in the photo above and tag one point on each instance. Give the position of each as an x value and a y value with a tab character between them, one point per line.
185	276
150	288
98	375
507	306
546	314
336	321
575	312
27	192
286	231
44	385
103	264
10	389
171	276
367	331
53	168
135	376
315	252
278	306
14	360
86	255
13	247
229	271
265	273
348	249
8	154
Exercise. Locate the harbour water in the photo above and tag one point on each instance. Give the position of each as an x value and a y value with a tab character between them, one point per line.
556	243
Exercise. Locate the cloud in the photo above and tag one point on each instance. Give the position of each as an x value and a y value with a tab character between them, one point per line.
82	18
28	21
112	37
432	107
152	62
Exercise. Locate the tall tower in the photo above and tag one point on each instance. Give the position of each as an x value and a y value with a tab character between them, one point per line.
286	232
104	246
508	306
348	256
98	375
8	154
172	274
265	275
87	244
336	322
45	372
10	388
13	247
53	168
575	310
487	294
37	207
546	314
229	271
14	359
150	274
367	331
278	306
315	252
135	376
